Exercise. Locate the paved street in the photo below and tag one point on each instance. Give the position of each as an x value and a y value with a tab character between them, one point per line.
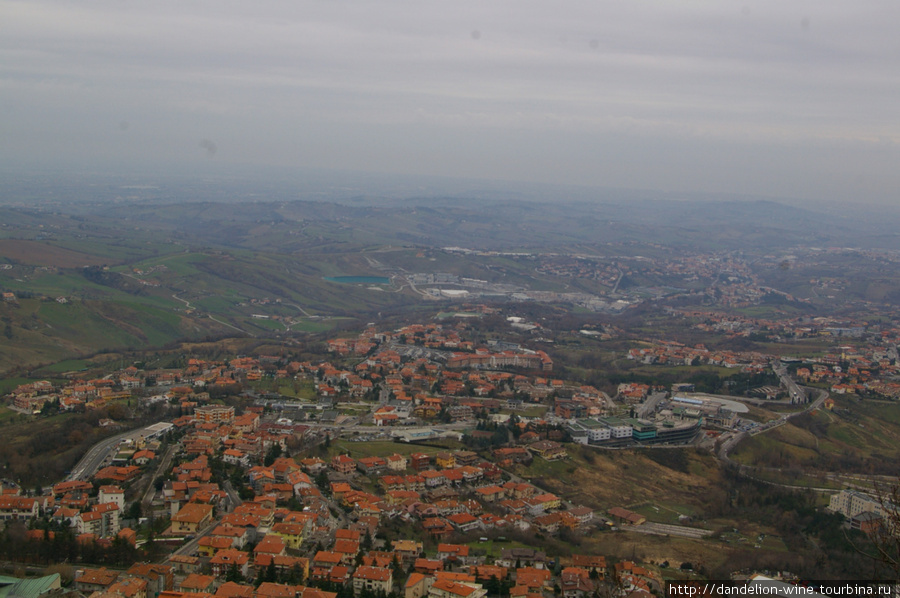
91	462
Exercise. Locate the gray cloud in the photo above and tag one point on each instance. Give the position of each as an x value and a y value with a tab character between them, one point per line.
210	148
794	98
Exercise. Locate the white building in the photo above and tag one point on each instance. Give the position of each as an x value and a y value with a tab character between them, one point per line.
851	503
112	494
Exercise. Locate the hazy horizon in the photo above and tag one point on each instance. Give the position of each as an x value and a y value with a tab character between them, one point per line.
764	100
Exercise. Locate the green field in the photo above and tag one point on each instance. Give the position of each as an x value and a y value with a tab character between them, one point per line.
265	324
323	325
381	448
7	385
69	365
7	414
494	548
660	513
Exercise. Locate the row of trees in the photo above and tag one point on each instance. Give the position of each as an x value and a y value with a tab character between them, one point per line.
61	545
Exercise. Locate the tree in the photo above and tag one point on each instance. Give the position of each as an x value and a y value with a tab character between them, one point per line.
492	585
134	511
396	567
234	574
246	493
273	453
884	549
295	576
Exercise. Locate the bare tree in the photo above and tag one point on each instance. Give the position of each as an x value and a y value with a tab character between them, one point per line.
884	536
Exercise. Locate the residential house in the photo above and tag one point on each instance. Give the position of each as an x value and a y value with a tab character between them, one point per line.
548	450
371	465
518	557
464	522
445	460
224	560
132	587
343	464
112	494
450	589
419	461
591	563
95	580
576	582
427	566
536	579
196	583
455	553
408	549
396	462
417	585
373	579
191	518
490	493
290	533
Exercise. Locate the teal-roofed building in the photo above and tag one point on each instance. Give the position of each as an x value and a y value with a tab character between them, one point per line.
30	587
641	430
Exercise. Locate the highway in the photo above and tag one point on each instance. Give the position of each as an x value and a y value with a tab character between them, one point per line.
798	395
731	440
93	459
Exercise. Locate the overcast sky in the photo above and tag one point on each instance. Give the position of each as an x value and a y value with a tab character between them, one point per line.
782	98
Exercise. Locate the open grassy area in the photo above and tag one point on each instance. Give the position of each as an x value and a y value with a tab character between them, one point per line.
214	304
44	332
858	436
380	448
173	264
69	365
117	250
655	549
265	324
758	414
322	325
683	371
661	513
494	548
775	448
7	414
7	385
798	479
604	478
38	253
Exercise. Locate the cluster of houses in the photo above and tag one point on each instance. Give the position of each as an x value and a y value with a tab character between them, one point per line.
94	516
243	438
92	394
675	353
868	365
307	535
452	493
402	570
